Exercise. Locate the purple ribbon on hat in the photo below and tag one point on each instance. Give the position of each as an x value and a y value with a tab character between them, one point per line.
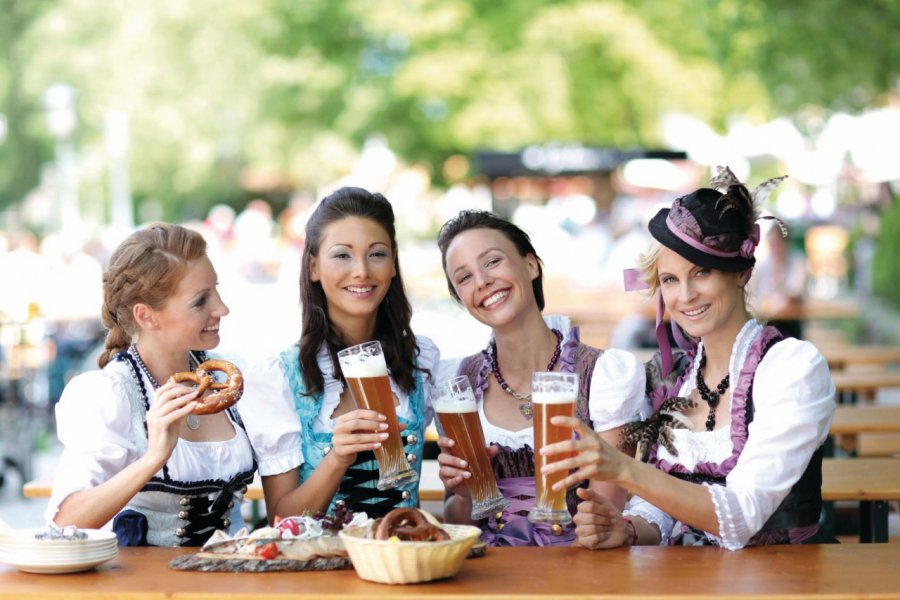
698	245
748	247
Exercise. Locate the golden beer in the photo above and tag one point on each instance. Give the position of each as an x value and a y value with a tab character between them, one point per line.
555	395
365	370
458	415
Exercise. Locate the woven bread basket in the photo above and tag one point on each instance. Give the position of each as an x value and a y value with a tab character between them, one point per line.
385	561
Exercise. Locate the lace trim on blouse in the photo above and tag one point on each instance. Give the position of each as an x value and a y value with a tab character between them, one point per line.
701	446
748	334
733	529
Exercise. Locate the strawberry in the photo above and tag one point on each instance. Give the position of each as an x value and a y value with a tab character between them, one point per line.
267	551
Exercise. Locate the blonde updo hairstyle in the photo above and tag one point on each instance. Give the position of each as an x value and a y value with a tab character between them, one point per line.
648	263
146	268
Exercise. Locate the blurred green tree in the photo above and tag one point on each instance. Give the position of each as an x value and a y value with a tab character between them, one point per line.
231	100
24	147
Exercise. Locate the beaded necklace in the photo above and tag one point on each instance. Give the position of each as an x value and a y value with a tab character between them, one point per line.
710	397
526	407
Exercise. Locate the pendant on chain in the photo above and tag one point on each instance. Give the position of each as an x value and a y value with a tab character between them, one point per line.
527	409
193	422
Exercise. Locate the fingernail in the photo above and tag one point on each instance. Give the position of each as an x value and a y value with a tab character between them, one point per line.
382	426
383	436
376	445
382	418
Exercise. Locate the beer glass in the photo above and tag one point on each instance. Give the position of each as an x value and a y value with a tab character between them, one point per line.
456	410
553	394
366	373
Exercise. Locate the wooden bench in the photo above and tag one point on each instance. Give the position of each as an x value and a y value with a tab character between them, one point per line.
430	489
873	482
864	383
867	430
842	356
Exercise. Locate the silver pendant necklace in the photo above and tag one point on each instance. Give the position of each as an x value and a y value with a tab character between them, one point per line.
193	421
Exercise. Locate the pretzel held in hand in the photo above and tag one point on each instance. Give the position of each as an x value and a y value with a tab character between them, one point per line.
409	525
223	394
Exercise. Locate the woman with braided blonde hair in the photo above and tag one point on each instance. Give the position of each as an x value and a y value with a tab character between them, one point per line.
733	451
134	452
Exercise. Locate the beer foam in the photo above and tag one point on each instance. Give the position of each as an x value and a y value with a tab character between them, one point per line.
360	366
466	405
553	397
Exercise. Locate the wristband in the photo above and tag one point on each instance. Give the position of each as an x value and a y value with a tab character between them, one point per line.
630	523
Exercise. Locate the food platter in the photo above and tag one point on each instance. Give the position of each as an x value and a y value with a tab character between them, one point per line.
295	544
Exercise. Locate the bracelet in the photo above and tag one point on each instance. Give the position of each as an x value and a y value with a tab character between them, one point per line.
629	522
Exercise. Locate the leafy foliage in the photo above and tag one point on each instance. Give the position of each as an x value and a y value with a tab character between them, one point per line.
233	99
885	266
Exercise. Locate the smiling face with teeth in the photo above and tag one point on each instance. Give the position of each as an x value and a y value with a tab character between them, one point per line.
492	280
190	318
354	265
702	301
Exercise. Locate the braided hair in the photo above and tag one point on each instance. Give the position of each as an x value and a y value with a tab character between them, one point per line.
145	268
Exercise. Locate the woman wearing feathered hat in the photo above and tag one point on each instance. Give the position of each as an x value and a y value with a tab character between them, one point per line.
732	453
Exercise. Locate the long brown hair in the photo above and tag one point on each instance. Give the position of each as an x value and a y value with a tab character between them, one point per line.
394	313
145	268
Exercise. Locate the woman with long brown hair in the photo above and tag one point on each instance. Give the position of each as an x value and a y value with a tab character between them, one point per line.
315	445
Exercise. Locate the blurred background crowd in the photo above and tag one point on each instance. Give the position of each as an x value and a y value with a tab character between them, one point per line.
576	119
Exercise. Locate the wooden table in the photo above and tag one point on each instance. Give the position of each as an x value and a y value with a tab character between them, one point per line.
792	572
872	482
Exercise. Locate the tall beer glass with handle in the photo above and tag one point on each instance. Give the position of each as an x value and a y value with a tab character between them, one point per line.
458	415
553	394
366	373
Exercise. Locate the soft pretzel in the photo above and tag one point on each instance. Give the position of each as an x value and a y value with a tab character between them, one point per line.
409	525
223	394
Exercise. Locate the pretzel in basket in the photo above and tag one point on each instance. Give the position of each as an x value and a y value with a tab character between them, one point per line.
223	394
409	525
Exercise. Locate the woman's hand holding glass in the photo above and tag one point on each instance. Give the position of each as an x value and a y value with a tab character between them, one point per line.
357	431
453	471
594	459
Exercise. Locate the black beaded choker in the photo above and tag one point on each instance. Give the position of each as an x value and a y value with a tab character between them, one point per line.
710	397
526	407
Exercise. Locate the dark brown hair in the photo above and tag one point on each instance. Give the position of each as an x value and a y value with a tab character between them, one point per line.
394	313
481	219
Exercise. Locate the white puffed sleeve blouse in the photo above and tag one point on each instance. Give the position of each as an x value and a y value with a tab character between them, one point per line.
267	408
102	434
793	398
